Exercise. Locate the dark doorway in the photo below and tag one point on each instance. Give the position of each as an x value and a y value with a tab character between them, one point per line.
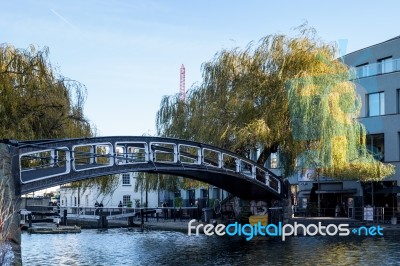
372	198
191	197
329	201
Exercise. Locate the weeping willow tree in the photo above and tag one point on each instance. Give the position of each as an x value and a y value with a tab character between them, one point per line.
37	102
286	94
323	108
146	182
151	182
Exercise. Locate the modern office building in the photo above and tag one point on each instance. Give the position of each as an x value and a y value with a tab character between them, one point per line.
377	71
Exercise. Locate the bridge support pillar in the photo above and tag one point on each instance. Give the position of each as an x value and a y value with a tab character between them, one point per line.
287	202
9	206
65	219
130	221
103	222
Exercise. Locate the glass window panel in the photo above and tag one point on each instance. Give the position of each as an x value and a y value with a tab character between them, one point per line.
386	65
382	103
126	179
398	100
376	104
126	199
373	104
362	70
376	145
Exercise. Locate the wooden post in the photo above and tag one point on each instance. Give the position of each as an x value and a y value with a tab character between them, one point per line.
142	218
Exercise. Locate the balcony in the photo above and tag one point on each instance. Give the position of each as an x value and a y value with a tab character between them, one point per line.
383	67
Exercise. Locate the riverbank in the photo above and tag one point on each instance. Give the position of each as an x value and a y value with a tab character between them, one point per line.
342	220
179	226
50	228
182	226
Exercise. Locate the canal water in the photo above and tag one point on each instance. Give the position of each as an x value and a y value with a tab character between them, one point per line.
136	247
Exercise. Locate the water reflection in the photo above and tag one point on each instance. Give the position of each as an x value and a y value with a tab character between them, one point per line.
136	247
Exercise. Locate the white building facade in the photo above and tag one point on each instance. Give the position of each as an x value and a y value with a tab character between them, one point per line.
124	193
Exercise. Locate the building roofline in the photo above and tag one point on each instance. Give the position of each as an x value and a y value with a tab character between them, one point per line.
392	39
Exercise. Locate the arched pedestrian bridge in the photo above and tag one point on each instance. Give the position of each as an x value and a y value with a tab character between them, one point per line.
46	163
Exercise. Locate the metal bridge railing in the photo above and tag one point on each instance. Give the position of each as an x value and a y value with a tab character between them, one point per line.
87	154
157	213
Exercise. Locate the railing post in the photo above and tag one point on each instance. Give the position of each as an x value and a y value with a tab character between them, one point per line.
92	158
151	153
238	164
141	217
146	152
176	153
253	171
52	157
220	160
279	186
199	156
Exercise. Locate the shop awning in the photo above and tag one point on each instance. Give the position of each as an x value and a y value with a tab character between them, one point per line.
338	191
333	191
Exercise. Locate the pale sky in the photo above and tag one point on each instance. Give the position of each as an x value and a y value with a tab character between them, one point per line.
128	53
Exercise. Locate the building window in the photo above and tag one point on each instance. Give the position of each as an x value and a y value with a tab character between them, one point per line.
376	146
204	193
126	200
126	179
385	65
274	160
362	70
191	196
376	104
399	146
215	192
398	101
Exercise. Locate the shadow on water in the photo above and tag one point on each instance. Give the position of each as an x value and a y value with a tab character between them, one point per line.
144	247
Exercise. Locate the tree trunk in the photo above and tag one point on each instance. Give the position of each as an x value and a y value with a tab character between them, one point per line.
266	152
11	231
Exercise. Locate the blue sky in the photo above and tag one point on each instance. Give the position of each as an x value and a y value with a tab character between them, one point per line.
128	53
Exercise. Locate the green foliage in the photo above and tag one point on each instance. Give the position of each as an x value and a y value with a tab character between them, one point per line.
178	202
105	185
149	182
137	203
286	94
152	182
35	101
